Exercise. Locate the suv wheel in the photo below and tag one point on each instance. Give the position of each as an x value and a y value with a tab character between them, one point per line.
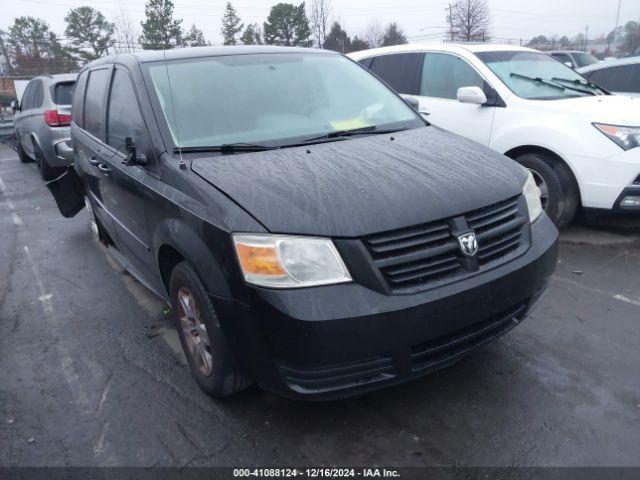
24	158
559	191
207	350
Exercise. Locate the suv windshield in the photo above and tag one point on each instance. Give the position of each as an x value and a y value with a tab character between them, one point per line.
272	99
537	76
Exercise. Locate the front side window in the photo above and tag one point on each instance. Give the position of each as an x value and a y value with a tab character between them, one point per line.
536	76
94	102
444	74
271	99
399	70
615	79
124	118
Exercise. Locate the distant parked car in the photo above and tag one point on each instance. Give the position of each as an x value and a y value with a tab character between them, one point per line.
580	143
573	58
41	123
619	76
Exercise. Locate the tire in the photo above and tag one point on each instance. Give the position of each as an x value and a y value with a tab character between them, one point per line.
47	172
223	377
24	158
560	192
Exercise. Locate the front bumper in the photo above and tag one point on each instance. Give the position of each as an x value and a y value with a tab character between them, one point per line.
341	340
603	180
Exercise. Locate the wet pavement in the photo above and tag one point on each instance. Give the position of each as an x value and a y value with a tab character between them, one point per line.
91	371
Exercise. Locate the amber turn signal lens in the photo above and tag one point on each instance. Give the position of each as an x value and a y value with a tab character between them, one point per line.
259	260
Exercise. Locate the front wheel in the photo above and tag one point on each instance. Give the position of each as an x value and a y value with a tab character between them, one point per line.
208	351
559	193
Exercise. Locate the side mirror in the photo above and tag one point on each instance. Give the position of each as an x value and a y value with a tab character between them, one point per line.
473	95
568	64
133	157
412	102
15	106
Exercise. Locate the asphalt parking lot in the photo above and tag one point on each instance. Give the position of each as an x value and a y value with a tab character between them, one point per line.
91	371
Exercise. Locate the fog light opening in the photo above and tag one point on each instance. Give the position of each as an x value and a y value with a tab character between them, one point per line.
630	201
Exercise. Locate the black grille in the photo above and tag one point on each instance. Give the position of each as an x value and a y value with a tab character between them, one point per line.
428	255
444	350
637	181
335	377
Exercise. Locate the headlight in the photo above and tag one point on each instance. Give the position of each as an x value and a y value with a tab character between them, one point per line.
625	137
531	194
282	261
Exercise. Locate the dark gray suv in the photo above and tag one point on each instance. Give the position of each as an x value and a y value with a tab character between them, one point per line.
42	123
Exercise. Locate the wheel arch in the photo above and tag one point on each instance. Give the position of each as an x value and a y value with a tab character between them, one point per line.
515	152
175	241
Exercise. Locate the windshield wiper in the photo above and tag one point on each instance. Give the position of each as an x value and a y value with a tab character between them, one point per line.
577	81
227	148
538	80
368	130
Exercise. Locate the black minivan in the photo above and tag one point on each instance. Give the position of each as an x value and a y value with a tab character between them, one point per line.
311	231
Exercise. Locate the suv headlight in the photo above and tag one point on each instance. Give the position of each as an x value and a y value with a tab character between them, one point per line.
531	194
625	137
282	261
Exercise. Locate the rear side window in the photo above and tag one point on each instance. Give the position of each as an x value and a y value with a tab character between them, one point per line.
38	95
400	71
78	98
63	93
94	102
615	79
124	117
443	75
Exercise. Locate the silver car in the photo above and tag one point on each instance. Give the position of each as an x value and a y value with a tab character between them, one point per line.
42	123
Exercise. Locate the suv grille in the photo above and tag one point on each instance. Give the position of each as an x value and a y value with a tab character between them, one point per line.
427	255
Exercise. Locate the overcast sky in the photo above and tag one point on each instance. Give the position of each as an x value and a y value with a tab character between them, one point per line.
420	19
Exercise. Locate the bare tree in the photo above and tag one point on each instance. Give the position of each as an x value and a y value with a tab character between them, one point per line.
125	33
472	20
374	33
319	15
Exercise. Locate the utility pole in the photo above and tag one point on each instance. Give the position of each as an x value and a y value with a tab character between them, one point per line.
450	19
617	16
586	37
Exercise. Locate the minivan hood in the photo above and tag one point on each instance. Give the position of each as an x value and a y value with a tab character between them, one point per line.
613	109
369	184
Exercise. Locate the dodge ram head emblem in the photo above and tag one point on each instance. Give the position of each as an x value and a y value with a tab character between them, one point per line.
468	244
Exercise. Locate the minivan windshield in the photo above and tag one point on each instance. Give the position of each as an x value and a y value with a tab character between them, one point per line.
537	76
273	99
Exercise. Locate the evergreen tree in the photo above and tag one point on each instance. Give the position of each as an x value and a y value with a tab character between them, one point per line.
287	25
89	31
337	39
252	35
194	37
160	30
231	25
393	35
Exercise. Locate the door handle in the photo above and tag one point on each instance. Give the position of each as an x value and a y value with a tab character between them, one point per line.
94	161
104	168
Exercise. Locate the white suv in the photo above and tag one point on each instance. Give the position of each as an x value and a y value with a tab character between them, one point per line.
580	142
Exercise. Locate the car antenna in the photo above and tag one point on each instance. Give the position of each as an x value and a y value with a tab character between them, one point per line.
183	165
